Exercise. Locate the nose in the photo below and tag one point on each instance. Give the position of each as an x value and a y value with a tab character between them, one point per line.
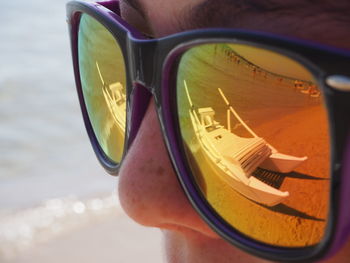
149	190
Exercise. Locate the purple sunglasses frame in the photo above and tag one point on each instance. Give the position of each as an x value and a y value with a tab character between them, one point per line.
140	90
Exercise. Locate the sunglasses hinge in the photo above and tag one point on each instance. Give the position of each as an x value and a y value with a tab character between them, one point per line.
141	58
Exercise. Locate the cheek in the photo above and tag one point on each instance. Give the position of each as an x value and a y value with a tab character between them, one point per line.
149	190
142	171
184	248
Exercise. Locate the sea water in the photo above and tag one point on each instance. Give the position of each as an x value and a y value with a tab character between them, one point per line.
49	175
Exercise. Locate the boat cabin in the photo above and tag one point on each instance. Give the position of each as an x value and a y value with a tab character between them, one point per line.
207	118
117	92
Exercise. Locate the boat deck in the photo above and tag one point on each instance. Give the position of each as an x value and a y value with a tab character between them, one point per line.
247	152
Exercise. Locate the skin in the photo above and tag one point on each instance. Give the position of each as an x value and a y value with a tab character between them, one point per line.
149	190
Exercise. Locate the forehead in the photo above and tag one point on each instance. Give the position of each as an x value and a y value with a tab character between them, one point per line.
323	21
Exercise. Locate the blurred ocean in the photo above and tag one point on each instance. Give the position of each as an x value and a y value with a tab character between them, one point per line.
49	175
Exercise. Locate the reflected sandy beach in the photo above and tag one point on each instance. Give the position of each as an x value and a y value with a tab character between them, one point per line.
302	217
286	112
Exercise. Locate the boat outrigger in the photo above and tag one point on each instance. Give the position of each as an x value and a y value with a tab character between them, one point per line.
235	158
115	99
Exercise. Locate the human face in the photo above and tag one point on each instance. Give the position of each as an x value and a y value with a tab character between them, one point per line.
148	188
186	237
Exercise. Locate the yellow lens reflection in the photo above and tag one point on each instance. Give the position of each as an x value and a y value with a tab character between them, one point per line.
255	131
103	78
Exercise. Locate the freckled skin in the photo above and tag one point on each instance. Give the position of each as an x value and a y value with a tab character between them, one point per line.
150	194
149	190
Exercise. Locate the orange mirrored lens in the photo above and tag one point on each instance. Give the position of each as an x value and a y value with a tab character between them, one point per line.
103	80
255	132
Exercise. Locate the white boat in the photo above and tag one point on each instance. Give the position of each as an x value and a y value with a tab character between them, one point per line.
235	158
116	100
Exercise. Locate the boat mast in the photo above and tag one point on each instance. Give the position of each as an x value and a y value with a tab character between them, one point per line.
188	94
99	73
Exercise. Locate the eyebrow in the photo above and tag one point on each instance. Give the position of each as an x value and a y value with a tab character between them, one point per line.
225	13
233	13
236	13
196	15
213	13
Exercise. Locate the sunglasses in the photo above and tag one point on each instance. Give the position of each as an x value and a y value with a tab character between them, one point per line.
256	125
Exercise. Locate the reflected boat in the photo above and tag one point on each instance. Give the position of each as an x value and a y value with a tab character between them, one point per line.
115	99
235	158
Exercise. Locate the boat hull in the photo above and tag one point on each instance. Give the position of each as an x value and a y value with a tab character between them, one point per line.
247	185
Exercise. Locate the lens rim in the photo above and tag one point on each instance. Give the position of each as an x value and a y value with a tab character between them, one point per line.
115	25
186	177
313	70
104	152
159	55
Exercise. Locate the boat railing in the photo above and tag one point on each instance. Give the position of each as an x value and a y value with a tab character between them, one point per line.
236	115
111	101
208	145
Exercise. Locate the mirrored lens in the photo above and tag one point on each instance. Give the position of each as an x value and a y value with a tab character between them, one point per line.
255	132
103	79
